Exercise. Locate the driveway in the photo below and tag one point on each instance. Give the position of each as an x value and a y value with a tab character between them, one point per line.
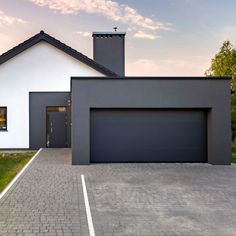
125	199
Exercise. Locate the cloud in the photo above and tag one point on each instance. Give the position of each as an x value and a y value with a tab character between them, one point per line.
84	33
174	66
142	35
142	67
110	9
9	20
145	62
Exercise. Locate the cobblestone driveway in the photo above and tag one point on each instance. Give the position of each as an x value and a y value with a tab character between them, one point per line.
46	200
125	199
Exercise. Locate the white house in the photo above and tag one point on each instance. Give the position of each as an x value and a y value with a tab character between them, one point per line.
40	64
53	96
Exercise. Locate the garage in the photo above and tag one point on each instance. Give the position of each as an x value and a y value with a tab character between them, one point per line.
148	135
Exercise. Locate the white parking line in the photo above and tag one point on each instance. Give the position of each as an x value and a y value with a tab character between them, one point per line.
87	207
19	174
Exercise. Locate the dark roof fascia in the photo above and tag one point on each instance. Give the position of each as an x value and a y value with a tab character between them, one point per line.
154	78
58	44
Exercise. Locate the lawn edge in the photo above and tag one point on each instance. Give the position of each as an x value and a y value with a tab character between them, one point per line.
5	190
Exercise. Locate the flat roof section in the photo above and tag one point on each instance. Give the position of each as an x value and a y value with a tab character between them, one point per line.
154	78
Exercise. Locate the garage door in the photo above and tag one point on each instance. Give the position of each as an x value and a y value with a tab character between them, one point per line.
148	135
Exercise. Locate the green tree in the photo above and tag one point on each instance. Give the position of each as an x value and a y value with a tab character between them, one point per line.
224	64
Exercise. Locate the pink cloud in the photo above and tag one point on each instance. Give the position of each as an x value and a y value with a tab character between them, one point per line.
9	20
142	35
107	8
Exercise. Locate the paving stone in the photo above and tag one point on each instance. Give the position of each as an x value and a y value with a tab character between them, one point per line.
162	199
125	199
45	199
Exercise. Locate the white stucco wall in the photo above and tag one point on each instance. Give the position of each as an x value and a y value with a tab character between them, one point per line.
39	68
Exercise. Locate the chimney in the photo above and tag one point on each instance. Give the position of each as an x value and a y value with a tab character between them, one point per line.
109	50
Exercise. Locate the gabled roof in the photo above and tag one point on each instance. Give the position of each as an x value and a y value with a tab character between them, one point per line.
42	36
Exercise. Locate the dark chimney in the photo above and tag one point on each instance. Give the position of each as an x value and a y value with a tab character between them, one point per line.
109	51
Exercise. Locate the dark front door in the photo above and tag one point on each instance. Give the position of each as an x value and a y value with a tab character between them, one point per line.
56	127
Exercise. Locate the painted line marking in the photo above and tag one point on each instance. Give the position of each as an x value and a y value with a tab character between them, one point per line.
19	174
87	207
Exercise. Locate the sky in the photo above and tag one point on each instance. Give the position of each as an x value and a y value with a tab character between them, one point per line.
164	37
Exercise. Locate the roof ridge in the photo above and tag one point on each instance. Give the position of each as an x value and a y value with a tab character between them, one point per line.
18	45
58	44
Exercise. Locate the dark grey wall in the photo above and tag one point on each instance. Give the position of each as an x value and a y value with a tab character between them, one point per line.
210	94
38	103
109	51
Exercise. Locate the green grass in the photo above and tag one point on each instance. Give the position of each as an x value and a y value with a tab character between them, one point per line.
234	157
10	166
234	152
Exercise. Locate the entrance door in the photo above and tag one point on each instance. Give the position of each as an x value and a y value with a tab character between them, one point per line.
56	127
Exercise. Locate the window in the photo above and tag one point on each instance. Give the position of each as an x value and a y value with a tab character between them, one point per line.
56	109
3	118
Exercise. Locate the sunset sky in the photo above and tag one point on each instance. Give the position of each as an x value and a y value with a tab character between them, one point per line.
164	37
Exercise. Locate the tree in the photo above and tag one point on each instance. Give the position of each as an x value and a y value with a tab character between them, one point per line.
224	64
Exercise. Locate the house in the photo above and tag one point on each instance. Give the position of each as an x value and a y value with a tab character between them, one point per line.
53	96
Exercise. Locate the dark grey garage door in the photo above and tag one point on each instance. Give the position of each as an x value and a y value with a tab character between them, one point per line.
148	135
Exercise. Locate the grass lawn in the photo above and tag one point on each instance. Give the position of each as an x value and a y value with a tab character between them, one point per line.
234	157
234	153
11	164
